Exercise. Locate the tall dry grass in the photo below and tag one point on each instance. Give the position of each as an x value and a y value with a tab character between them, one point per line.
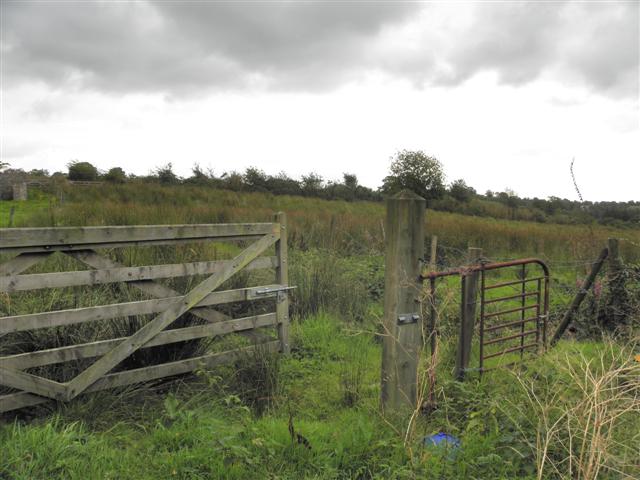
586	424
347	227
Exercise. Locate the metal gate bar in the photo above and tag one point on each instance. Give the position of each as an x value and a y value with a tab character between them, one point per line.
511	297
504	312
522	334
510	324
541	308
509	350
515	282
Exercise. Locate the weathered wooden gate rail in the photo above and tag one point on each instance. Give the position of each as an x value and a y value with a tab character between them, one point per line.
33	245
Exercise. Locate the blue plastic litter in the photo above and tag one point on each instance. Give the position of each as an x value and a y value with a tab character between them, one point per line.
443	440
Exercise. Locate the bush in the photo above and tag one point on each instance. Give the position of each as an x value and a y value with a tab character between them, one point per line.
461	191
82	171
166	175
115	175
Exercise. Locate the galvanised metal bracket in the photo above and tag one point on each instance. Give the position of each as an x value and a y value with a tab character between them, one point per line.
280	292
408	318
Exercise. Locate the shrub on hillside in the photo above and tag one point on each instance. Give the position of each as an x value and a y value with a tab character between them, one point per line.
461	191
115	175
82	171
166	176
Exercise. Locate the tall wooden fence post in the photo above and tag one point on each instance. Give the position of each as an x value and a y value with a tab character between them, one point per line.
282	278
467	313
402	341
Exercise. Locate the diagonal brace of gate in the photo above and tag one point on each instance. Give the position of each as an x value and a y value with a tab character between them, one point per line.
24	380
68	391
150	330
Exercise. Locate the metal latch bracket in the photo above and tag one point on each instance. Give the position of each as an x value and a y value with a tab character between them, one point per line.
280	291
408	318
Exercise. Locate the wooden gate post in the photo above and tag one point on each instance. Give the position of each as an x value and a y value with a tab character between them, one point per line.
282	278
402	340
467	313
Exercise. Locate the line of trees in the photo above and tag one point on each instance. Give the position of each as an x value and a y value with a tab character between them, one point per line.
412	170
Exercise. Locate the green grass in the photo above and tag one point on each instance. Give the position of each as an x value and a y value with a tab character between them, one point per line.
203	429
23	211
233	422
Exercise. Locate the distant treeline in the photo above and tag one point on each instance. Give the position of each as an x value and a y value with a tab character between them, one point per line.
455	197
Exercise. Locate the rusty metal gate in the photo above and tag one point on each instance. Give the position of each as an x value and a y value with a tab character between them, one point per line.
513	313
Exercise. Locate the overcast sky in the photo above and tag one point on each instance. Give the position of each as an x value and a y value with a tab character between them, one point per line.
504	94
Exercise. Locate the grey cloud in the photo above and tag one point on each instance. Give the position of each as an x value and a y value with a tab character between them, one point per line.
166	46
593	43
612	60
517	40
181	48
104	46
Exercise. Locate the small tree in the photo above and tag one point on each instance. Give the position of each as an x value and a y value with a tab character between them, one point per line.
166	176
232	181
198	173
82	171
312	184
38	172
461	191
510	199
347	190
256	179
415	171
115	175
350	180
283	184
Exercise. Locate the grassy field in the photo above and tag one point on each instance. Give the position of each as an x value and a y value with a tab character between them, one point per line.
571	413
345	227
23	212
328	389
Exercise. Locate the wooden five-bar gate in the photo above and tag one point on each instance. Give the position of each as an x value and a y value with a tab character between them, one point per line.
86	244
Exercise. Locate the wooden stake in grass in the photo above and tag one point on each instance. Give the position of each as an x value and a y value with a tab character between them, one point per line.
467	313
434	252
582	293
617	302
